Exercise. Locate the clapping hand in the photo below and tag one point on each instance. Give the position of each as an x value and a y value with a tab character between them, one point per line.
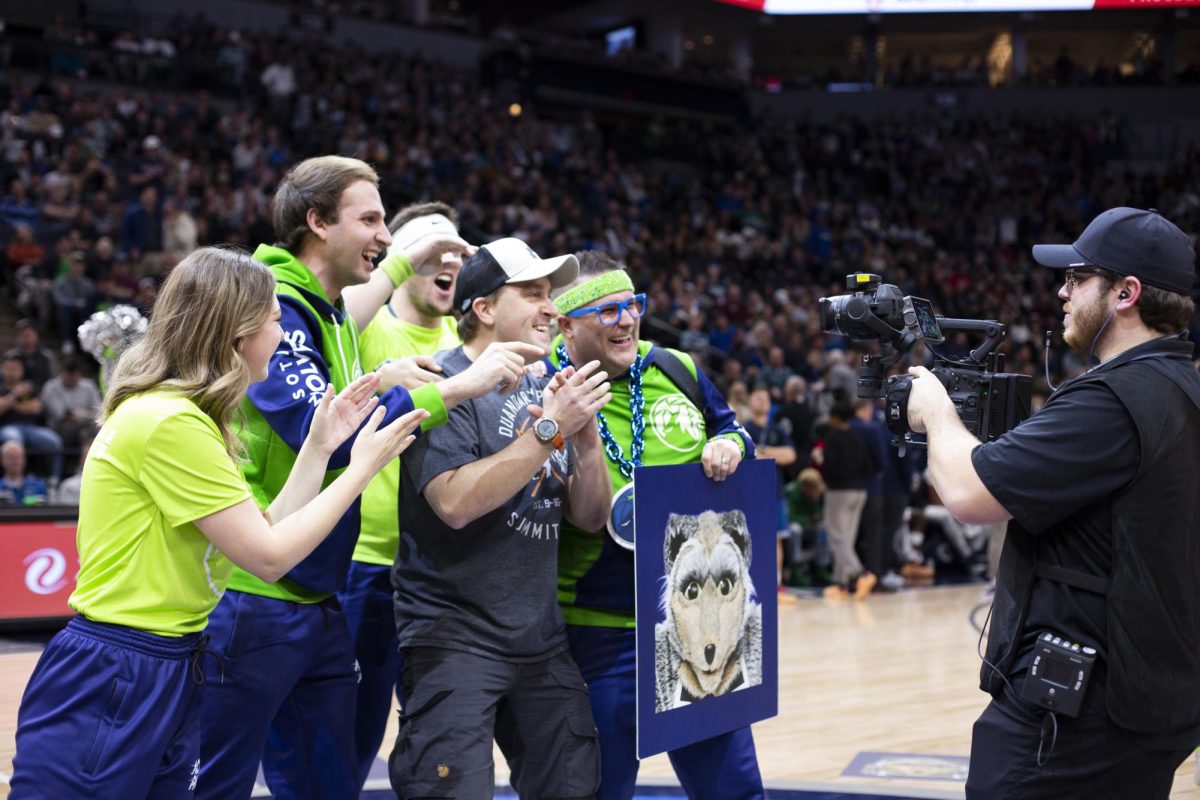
338	416
573	397
375	447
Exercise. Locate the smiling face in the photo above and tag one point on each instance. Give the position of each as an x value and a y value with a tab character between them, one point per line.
522	312
355	238
614	346
258	347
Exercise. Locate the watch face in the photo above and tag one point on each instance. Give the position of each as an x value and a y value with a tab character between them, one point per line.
545	428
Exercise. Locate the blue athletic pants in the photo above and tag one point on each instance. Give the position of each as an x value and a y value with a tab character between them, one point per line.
110	712
721	768
287	699
370	615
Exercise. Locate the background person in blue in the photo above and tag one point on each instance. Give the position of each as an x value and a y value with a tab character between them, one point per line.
599	316
284	690
1102	550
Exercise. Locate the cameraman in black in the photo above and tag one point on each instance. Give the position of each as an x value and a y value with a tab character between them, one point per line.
1102	487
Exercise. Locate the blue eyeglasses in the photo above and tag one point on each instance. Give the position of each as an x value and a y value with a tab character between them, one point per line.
609	314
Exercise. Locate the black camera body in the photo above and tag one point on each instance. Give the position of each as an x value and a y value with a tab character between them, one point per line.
989	402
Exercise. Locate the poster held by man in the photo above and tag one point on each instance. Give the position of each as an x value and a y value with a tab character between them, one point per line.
706	604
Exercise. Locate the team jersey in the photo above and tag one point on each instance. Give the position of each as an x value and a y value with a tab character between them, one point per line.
595	575
157	465
389	338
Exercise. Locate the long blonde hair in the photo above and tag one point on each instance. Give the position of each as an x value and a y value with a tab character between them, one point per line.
212	299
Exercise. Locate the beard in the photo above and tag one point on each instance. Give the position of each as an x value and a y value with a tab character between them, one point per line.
1087	320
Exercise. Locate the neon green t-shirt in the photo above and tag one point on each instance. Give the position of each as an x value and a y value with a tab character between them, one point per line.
156	465
388	337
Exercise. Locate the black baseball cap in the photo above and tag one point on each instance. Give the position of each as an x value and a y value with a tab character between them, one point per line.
508	261
1142	244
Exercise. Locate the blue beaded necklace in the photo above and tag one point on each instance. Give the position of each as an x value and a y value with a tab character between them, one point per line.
637	405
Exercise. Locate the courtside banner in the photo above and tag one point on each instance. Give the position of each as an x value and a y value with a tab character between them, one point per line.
38	564
944	6
707	632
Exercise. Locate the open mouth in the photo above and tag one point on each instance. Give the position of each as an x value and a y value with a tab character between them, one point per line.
444	281
622	340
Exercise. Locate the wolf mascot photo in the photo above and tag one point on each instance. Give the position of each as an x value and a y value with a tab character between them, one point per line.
710	643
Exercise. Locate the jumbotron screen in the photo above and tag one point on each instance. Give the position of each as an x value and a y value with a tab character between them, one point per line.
944	6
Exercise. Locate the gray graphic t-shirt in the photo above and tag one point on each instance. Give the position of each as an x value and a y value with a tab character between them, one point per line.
488	588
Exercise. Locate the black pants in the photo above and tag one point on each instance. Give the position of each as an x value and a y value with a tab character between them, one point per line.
872	545
1091	758
539	713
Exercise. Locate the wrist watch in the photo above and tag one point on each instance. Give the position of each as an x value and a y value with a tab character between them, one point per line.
546	430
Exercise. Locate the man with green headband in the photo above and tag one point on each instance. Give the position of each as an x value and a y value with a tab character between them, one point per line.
663	411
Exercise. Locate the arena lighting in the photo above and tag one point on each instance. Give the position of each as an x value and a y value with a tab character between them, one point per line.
944	6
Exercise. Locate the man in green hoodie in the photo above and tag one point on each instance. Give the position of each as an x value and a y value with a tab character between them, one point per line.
283	686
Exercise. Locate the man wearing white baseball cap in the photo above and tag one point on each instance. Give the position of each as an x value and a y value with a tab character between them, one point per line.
477	618
1093	655
399	343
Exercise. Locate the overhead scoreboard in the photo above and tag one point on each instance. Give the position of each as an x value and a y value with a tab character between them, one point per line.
946	6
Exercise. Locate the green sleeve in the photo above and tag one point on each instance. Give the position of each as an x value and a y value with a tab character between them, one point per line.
429	398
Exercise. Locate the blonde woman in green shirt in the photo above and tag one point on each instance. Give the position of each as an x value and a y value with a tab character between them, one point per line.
112	707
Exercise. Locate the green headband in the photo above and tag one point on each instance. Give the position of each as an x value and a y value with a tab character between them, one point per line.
602	285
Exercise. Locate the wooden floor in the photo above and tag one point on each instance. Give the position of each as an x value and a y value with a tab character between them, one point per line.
896	673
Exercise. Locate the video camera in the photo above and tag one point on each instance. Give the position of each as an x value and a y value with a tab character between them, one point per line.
988	402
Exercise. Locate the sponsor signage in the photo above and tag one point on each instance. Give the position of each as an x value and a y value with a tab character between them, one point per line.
38	564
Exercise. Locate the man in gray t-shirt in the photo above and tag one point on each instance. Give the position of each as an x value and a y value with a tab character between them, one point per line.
475	573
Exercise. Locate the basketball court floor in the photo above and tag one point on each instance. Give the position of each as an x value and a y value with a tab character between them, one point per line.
876	699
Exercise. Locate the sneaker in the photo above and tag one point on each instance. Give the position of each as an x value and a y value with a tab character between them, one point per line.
917	571
892	582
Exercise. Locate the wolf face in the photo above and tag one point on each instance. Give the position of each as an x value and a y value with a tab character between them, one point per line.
708	601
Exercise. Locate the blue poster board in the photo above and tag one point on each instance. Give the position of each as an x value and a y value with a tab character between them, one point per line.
707	644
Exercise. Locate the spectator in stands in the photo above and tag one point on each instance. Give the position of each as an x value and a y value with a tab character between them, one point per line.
118	285
19	488
71	403
776	372
68	491
772	439
21	418
17	209
142	225
179	228
797	409
23	250
39	362
809	558
75	297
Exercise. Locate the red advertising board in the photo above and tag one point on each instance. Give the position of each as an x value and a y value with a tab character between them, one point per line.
38	564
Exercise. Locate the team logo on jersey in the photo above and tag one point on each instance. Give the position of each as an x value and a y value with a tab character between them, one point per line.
676	422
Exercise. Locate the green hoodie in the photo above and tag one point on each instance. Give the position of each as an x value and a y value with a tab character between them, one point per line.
319	350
